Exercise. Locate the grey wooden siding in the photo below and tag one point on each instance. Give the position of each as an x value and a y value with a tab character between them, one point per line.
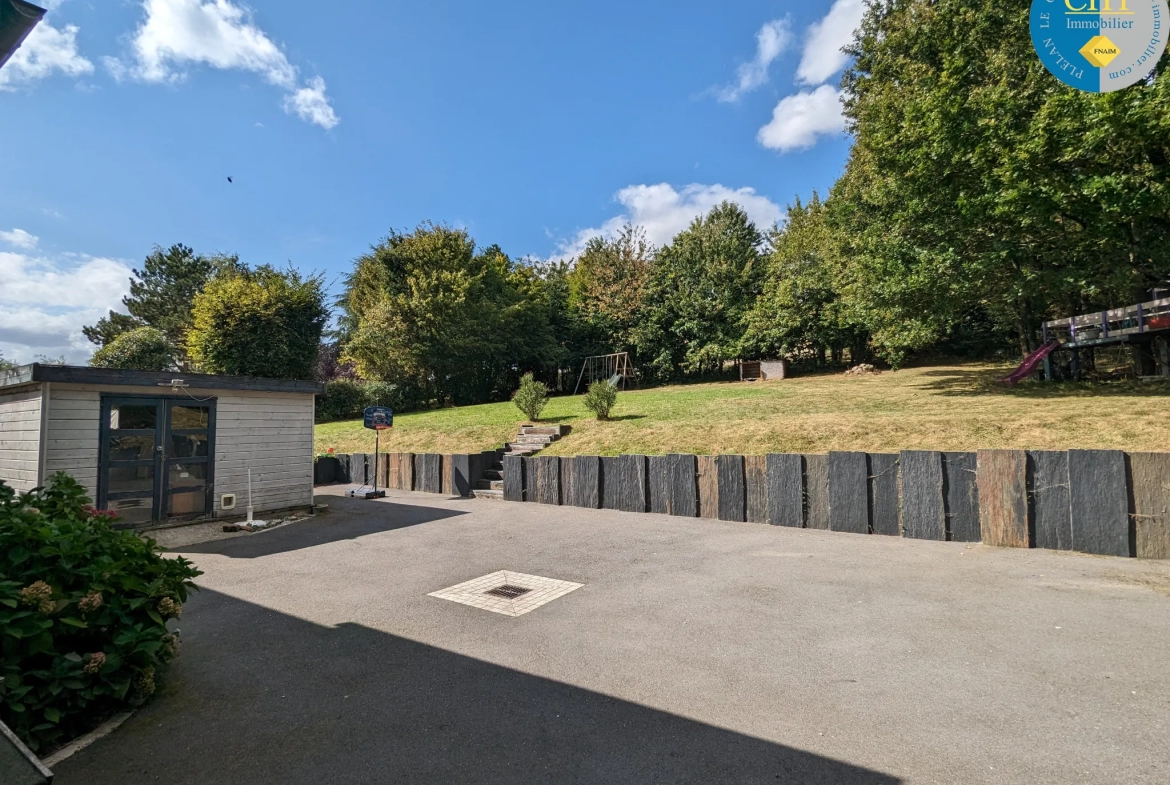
20	437
273	432
71	438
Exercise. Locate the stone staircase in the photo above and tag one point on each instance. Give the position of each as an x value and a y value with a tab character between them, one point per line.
531	440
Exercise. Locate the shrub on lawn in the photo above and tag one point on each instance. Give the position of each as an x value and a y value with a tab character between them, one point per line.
531	397
83	613
601	399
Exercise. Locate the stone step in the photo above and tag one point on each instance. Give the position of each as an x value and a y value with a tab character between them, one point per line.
542	440
489	485
545	430
494	474
493	495
515	448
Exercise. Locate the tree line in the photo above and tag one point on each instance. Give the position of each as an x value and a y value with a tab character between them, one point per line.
981	197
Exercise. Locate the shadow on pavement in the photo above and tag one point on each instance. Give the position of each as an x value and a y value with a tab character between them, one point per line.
261	697
347	519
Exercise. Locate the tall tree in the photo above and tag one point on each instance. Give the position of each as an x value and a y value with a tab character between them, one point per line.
262	322
980	184
427	312
799	313
607	287
701	288
161	296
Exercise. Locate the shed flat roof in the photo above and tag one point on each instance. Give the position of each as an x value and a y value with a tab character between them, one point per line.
78	374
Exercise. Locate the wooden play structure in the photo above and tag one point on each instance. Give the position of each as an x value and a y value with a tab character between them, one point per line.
615	368
1144	327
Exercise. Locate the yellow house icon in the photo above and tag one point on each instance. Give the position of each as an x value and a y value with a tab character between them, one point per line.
1100	51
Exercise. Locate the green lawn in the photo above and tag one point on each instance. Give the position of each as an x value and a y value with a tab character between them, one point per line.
953	407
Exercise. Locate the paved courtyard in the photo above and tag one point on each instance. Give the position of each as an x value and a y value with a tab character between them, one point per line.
694	651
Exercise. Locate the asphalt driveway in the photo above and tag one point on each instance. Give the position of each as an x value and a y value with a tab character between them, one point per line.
696	652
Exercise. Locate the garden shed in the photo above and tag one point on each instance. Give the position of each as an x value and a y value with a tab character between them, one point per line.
155	447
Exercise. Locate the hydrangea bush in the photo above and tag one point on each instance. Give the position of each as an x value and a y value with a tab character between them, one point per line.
84	612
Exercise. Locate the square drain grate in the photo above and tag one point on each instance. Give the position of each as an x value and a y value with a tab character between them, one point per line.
508	591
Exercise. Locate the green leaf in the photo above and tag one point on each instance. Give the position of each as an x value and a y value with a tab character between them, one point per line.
73	656
52	715
73	622
155	615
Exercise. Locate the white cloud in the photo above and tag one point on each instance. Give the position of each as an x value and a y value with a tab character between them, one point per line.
798	120
664	212
45	302
178	34
47	50
822	56
310	104
771	40
19	238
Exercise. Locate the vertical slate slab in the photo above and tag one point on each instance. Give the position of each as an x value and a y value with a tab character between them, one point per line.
684	488
446	477
755	475
567	492
461	474
1048	499
428	473
546	480
848	492
360	467
1002	476
658	487
343	470
587	481
707	473
732	488
961	494
816	491
382	461
406	468
623	483
785	489
513	478
1149	497
1099	502
924	515
884	505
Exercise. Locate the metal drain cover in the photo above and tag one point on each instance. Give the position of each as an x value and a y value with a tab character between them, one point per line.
508	591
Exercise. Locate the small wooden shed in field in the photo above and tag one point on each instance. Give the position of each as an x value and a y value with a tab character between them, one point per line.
155	447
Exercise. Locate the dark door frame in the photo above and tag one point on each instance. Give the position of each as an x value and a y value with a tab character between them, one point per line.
162	460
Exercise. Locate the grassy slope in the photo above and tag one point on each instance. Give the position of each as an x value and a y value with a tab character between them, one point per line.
955	407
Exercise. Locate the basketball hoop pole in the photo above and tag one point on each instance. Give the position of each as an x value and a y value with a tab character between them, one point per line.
377	434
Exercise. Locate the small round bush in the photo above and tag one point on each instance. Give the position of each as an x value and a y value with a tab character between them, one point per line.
83	613
531	397
140	349
601	399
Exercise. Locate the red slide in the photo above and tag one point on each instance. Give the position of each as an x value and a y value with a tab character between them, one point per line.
1028	366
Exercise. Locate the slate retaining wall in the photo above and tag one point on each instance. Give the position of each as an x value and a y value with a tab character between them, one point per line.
1095	501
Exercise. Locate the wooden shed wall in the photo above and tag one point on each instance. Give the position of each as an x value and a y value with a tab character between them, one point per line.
20	438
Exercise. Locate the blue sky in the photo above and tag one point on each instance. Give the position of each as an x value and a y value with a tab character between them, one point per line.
533	125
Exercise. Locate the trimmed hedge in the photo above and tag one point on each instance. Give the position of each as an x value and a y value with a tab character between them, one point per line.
84	610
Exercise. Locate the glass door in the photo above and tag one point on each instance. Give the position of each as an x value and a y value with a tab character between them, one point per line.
188	460
156	458
129	476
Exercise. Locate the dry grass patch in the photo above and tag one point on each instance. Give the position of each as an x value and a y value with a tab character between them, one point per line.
953	407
